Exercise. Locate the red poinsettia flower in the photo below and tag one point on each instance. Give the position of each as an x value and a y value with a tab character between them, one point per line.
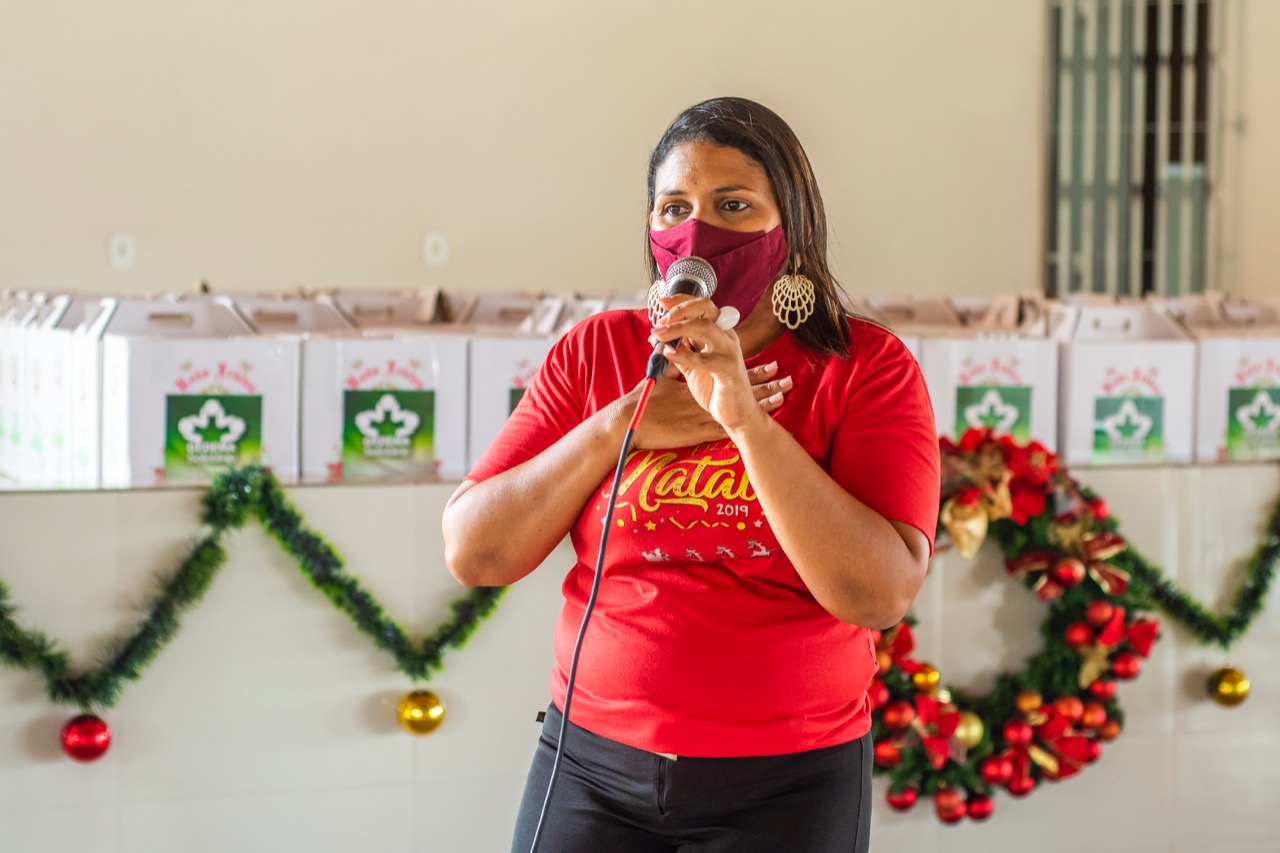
935	727
974	438
1032	462
1027	500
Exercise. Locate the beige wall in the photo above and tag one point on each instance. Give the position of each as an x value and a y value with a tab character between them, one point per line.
1254	195
267	145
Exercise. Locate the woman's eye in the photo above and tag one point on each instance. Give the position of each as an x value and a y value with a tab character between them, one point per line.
673	210
734	206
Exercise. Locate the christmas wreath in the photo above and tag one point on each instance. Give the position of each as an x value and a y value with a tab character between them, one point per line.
1048	721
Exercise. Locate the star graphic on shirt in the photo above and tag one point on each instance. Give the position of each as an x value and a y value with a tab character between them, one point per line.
649	525
759	523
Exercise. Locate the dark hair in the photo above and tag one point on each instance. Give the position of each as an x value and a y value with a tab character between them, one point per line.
762	135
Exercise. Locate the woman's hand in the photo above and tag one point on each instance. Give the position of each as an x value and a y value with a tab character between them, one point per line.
710	360
675	418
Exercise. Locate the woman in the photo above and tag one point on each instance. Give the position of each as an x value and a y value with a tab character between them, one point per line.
779	502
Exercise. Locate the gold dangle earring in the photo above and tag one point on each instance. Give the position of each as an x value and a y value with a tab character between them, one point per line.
793	298
657	290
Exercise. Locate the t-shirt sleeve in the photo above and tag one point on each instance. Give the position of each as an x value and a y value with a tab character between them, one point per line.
551	406
885	449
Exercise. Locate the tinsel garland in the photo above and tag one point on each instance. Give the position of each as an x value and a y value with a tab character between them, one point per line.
231	501
237	496
1207	627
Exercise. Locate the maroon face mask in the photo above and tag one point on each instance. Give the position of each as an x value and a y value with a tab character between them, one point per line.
746	262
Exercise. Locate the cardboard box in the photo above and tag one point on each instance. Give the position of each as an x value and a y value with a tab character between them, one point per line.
1127	385
14	324
384	403
84	434
502	366
291	316
188	390
1237	377
48	394
997	380
912	319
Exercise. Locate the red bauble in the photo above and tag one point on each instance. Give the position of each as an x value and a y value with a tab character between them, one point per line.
1093	716
1021	786
1067	572
887	754
1098	613
1110	730
1099	508
1070	707
947	798
898	715
902	800
949	805
1078	634
1103	690
980	807
1017	733
1126	665
877	694
996	770
86	737
1095	751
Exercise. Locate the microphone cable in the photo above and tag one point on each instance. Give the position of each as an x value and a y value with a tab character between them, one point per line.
654	370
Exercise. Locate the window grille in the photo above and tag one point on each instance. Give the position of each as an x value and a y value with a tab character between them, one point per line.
1131	136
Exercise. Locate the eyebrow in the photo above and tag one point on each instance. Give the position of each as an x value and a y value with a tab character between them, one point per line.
717	191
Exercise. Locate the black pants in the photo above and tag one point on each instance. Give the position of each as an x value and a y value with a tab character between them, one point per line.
611	798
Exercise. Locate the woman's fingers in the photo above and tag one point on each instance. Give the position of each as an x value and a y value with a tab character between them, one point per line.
778	387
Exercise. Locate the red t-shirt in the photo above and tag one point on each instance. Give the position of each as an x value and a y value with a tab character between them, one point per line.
704	640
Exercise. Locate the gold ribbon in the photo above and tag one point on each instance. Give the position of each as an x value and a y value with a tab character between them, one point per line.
966	525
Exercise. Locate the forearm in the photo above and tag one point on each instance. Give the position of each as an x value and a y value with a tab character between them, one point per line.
853	560
499	530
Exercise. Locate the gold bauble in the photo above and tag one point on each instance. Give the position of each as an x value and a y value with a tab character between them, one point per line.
1229	686
1028	701
926	678
969	730
420	712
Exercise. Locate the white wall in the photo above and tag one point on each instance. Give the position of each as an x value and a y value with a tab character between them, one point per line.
268	724
283	143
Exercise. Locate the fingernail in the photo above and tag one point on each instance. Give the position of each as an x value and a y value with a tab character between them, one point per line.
771	367
785	383
776	398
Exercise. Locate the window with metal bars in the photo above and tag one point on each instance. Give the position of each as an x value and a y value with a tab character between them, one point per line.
1131	122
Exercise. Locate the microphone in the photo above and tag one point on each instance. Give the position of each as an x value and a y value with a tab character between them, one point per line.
692	276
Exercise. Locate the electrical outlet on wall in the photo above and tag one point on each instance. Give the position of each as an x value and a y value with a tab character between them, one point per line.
122	251
435	248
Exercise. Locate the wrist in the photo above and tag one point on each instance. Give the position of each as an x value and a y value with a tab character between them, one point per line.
755	427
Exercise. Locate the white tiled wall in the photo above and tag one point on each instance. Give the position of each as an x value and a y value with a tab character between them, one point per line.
268	725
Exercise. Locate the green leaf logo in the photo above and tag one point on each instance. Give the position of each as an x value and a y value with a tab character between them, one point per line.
992	411
1261	417
1127	426
212	425
387	420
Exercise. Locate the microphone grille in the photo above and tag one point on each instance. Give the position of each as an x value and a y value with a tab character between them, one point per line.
692	269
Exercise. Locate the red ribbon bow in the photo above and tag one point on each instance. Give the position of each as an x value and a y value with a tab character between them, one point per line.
1029	564
935	727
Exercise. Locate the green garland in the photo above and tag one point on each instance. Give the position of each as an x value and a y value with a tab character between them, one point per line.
1208	628
233	499
238	495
